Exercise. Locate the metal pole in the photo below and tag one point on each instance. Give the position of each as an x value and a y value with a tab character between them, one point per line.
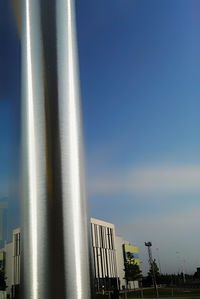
141	289
55	254
159	260
151	263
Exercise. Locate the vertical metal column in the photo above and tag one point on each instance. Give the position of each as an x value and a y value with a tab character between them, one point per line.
55	254
151	264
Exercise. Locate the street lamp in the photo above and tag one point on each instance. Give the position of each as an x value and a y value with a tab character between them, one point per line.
181	264
157	249
151	263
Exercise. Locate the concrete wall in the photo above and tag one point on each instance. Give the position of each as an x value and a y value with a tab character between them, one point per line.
120	260
16	256
104	248
120	246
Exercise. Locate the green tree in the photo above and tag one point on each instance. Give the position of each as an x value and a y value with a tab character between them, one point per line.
2	281
132	270
197	275
156	271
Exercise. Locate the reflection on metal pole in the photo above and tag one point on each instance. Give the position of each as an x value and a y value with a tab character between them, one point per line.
55	254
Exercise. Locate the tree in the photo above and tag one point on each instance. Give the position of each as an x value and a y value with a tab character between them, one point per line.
132	270
197	275
154	271
2	281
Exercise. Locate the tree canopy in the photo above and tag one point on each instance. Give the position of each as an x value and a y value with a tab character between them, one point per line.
2	281
154	267
132	270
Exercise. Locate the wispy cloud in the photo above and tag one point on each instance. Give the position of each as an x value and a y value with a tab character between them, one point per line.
168	179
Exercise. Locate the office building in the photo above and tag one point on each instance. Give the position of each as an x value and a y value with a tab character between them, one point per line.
123	248
104	254
108	257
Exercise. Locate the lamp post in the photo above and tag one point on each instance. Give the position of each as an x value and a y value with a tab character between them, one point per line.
181	265
158	254
151	263
55	254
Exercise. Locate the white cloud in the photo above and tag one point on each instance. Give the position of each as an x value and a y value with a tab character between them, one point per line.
167	179
172	228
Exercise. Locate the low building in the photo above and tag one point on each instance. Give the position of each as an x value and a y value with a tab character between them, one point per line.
10	259
16	262
104	254
120	262
108	258
124	248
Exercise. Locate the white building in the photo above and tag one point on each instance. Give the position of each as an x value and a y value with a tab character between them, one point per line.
104	254
16	256
108	253
12	263
122	247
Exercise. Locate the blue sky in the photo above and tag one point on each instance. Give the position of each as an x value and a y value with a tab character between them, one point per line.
140	80
9	113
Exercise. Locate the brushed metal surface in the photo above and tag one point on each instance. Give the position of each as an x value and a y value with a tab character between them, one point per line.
55	254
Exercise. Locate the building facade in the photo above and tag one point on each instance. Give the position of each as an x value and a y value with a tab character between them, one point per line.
10	260
16	256
104	254
125	248
9	266
108	257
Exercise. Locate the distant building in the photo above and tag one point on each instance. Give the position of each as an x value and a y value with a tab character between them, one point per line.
120	261
108	253
16	257
198	270
3	222
10	263
104	254
124	247
131	249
